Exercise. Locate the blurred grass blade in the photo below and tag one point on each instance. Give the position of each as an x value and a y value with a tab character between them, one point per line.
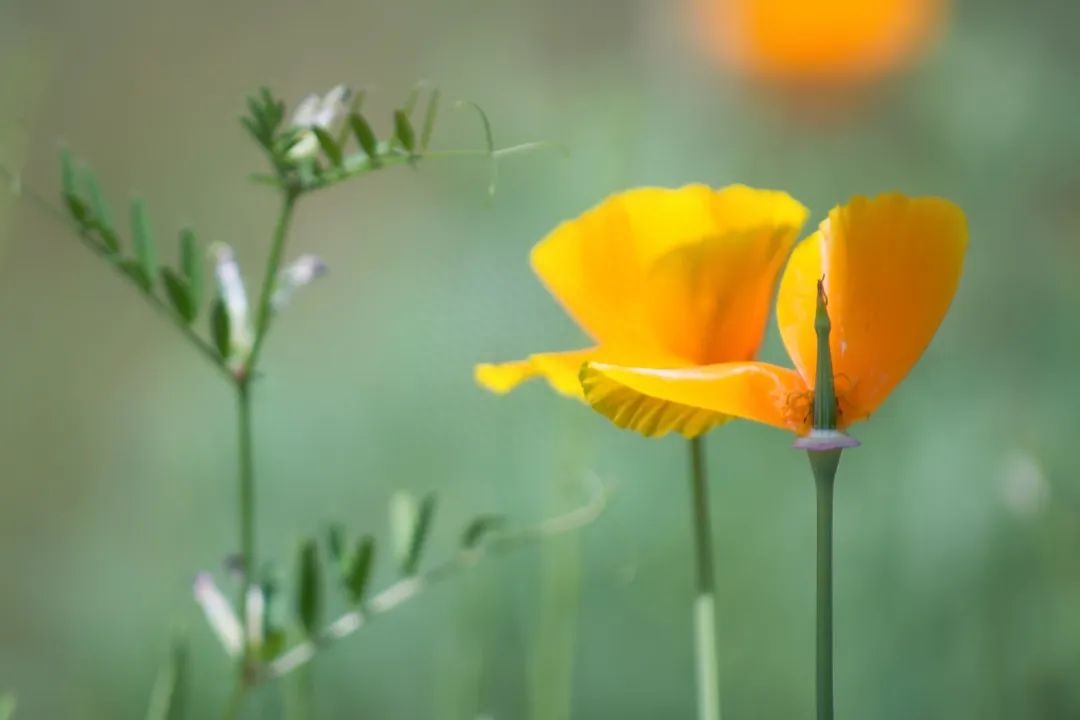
364	136
169	696
145	252
101	213
191	263
329	146
403	131
309	588
479	528
429	120
359	571
179	296
424	515
219	327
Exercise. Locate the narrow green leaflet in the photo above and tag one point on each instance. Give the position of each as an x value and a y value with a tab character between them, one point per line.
359	571
354	109
102	216
69	187
191	264
329	146
145	252
489	143
429	120
365	137
309	588
335	541
179	296
403	131
219	328
424	515
478	530
169	696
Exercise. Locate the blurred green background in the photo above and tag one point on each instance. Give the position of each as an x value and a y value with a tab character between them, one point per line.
958	521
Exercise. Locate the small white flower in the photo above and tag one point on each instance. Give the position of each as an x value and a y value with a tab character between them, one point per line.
299	273
219	614
256	608
231	287
316	111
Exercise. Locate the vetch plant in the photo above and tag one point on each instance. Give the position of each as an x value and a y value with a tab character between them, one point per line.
327	141
858	304
665	278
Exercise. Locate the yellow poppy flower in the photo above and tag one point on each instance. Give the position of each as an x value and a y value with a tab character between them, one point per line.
890	266
818	41
662	278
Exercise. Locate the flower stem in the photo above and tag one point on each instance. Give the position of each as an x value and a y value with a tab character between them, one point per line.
273	266
708	670
824	464
247	498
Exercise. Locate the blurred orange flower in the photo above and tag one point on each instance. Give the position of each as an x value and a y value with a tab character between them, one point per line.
662	278
818	41
891	267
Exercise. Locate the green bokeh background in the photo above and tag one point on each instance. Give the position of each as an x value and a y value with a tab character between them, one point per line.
958	521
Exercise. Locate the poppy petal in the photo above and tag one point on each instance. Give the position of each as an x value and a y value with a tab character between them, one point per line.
560	369
693	400
710	300
891	266
599	265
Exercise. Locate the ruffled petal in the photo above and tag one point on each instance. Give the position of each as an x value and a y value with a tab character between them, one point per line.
693	400
891	266
560	369
710	301
602	266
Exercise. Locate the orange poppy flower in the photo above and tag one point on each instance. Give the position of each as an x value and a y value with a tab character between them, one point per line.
662	278
836	41
890	266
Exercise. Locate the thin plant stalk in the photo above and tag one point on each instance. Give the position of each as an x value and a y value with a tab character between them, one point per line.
243	383
824	466
823	446
705	650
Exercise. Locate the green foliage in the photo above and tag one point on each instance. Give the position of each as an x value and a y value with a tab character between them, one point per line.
359	569
176	289
168	700
429	120
219	328
145	252
265	116
418	534
191	265
329	146
403	131
309	599
478	530
7	706
335	542
365	137
101	213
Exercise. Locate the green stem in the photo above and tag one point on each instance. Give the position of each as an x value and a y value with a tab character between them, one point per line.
247	506
708	669
269	283
824	464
